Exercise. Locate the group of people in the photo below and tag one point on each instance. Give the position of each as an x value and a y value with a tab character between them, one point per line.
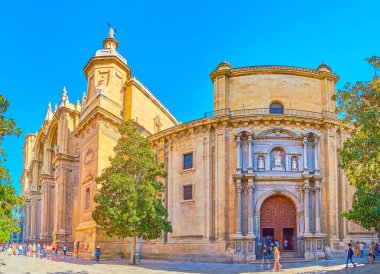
269	249
38	250
30	249
373	251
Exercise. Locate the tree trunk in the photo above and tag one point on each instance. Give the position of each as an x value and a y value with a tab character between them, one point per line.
133	249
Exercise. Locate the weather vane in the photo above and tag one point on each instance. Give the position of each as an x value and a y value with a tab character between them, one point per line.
112	30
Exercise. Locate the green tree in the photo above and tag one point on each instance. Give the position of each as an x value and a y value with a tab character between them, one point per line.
10	202
129	201
360	154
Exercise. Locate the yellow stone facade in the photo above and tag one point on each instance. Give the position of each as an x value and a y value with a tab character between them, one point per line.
273	134
62	161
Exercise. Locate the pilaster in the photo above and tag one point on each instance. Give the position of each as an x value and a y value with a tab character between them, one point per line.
331	184
306	188
250	154
238	155
238	189
305	164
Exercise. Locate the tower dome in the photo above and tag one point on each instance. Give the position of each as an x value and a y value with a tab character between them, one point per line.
110	44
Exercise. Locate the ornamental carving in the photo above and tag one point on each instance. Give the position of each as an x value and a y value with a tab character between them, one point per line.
89	157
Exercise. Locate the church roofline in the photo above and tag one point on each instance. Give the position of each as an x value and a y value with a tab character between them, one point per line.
274	69
231	117
146	91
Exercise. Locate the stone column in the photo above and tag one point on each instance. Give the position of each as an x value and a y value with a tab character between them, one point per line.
238	206
257	224
316	156
317	205
305	167
250	154
306	188
44	216
238	155
250	207
45	193
27	220
33	217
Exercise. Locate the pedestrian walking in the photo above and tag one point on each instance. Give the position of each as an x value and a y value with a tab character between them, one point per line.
277	266
361	250
376	249
350	253
265	256
34	247
370	253
64	250
97	254
38	250
357	250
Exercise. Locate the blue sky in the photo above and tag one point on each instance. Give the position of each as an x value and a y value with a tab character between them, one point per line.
171	46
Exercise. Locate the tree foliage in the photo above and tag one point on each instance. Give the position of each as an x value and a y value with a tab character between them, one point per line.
10	202
360	154
129	201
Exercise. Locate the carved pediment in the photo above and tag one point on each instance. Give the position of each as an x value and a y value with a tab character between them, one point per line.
277	132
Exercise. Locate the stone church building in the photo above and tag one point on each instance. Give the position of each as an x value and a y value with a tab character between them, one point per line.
262	165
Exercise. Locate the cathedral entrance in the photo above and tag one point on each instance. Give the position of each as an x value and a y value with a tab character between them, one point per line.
278	221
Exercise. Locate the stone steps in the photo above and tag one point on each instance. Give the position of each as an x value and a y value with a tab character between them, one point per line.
284	260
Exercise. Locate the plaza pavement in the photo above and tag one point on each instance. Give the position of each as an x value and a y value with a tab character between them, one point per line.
60	265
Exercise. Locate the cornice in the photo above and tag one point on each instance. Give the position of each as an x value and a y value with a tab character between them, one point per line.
244	121
278	178
96	113
46	177
64	157
106	59
291	70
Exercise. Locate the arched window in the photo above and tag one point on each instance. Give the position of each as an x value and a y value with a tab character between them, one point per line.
87	199
276	108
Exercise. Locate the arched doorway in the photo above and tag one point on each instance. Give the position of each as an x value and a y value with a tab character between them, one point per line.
278	221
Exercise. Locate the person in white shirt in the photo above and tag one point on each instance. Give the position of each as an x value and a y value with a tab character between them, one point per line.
361	250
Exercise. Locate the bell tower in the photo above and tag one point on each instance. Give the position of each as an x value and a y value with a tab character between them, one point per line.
106	73
102	111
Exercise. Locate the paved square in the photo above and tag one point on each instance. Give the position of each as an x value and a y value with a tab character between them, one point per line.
60	265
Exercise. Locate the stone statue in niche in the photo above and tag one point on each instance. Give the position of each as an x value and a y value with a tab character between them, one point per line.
260	162
294	163
56	149
278	158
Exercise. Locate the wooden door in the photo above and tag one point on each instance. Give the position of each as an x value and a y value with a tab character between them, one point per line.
278	212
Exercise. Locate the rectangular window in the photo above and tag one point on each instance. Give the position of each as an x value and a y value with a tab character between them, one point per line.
188	161
187	192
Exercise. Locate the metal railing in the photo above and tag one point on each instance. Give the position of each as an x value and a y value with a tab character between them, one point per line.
268	111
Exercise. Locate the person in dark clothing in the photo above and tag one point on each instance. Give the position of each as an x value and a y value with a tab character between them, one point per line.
350	253
97	254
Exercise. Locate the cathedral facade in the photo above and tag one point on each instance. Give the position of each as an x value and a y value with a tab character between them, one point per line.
262	165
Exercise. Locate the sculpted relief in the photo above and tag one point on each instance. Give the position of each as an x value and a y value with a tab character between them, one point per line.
89	157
